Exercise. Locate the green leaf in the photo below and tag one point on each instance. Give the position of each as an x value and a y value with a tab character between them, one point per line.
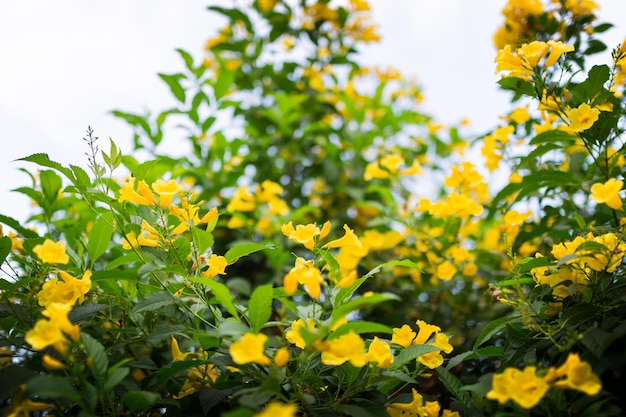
100	236
82	178
372	410
114	378
360	327
224	80
517	85
42	159
260	307
173	81
491	329
355	304
51	386
553	136
96	351
220	292
154	301
51	183
244	249
163	332
5	248
411	353
455	386
11	222
138	400
202	239
85	312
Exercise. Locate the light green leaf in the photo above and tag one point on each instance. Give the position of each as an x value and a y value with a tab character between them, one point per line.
100	236
244	249
360	327
260	307
173	81
355	304
51	183
202	239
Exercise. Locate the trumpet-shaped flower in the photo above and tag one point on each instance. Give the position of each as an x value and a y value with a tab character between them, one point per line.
250	349
52	252
425	332
243	200
557	48
413	408
582	117
305	273
166	191
403	336
281	357
608	193
523	387
349	239
52	332
217	265
348	347
379	352
67	291
576	374
143	196
303	234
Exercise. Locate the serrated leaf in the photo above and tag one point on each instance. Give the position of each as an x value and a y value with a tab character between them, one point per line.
11	222
260	307
82	178
244	249
96	351
163	332
154	301
85	312
42	159
202	239
410	353
100	236
51	183
455	386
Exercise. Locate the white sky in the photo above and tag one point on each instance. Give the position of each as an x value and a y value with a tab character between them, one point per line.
66	64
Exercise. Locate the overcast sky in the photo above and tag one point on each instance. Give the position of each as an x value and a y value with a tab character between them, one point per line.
66	64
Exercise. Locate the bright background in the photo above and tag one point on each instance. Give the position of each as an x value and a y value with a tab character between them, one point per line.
66	64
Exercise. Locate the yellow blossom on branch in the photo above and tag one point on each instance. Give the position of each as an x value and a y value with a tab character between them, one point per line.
278	409
379	352
143	196
348	347
523	387
166	191
52	252
67	291
608	193
575	374
403	336
349	239
217	265
250	349
582	117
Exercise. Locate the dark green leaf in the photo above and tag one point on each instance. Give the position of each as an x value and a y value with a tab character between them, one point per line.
50	386
495	326
138	400
83	313
455	386
411	353
114	378
220	292
5	248
96	351
360	327
154	301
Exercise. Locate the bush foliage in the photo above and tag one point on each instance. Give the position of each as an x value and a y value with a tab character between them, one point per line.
324	247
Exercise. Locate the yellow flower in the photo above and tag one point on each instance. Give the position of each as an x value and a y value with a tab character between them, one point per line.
425	332
305	273
442	341
143	196
415	407
52	252
431	360
52	332
432	408
607	193
22	407
281	357
277	409
51	363
293	335
373	170
268	190
349	239
241	201
267	5
67	291
403	336
217	265
131	240
446	271
582	117
578	376
348	347
379	352
533	52
166	191
303	234
250	349
581	7
557	48
523	387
